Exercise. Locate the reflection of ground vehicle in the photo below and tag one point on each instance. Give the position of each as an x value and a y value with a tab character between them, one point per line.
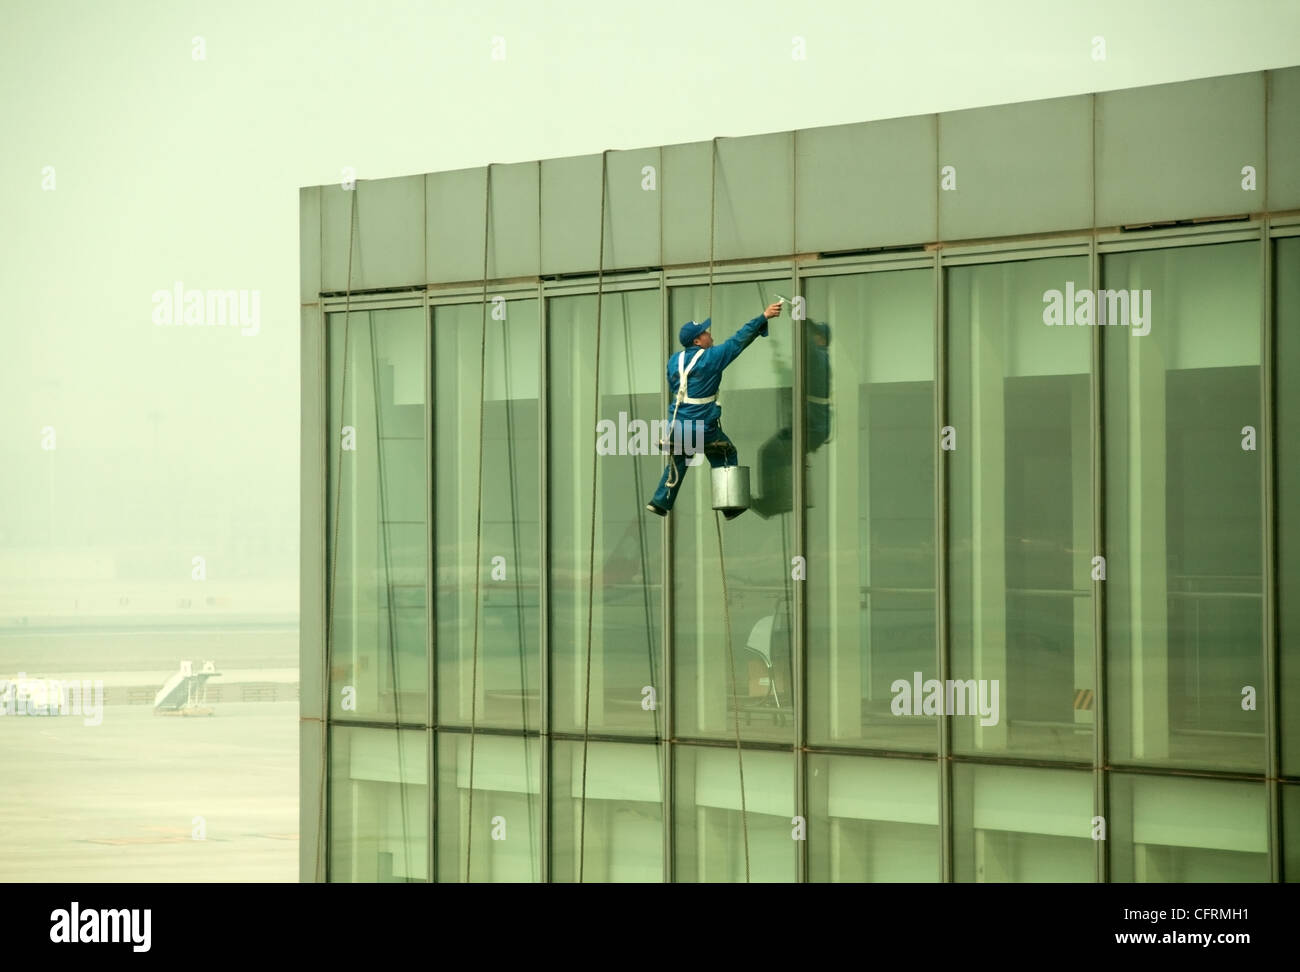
35	694
766	660
185	693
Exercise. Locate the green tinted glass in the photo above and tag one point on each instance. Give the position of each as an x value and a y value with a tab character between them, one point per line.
758	547
1020	517
615	440
1022	824
1167	829
869	437
873	819
378	805
617	830
377	524
1184	538
713	831
490	830
503	683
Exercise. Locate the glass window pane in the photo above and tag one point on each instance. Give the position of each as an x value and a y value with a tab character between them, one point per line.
505	687
1183	521
1286	388
1020	518
873	820
377	444
755	397
504	843
1172	829
622	838
710	829
626	624
378	805
870	489
1020	824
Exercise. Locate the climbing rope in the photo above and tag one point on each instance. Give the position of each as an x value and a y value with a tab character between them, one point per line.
731	666
478	533
322	819
641	528
388	589
592	539
591	552
321	869
521	629
722	561
788	599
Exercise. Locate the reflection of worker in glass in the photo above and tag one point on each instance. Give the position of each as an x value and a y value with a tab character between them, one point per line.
774	456
693	378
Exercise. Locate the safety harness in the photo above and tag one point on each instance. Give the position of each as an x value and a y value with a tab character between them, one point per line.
683	370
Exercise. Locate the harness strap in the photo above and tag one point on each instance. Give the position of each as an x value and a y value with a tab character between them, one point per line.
682	373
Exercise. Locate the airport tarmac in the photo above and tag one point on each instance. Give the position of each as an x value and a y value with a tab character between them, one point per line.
125	800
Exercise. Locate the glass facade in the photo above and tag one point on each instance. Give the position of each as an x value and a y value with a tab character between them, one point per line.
870	514
378	534
925	445
1020	508
1017	597
1184	519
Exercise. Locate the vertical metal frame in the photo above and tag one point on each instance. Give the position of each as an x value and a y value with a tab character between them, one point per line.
1267	421
313	596
543	583
799	607
799	626
1097	446
944	728
430	614
1268	500
1275	230
330	577
1100	751
667	701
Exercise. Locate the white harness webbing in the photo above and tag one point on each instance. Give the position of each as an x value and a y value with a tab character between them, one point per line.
683	370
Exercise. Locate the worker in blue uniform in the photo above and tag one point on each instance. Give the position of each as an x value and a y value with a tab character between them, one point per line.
694	374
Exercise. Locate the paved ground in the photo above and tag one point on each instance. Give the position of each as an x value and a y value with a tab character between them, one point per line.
116	802
141	649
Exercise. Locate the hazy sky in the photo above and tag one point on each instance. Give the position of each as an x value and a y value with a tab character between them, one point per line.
169	168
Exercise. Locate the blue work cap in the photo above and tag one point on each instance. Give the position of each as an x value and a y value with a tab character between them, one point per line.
692	329
821	329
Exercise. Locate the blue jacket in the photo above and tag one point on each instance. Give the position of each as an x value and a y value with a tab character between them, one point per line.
705	377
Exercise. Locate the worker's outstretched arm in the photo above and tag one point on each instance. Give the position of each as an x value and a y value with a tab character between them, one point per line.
729	350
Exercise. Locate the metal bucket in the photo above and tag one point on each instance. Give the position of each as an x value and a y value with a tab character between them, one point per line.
730	488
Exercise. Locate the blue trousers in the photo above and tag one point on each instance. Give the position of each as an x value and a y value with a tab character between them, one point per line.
718	449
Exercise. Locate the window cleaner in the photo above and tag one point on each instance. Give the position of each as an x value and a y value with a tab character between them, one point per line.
694	374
